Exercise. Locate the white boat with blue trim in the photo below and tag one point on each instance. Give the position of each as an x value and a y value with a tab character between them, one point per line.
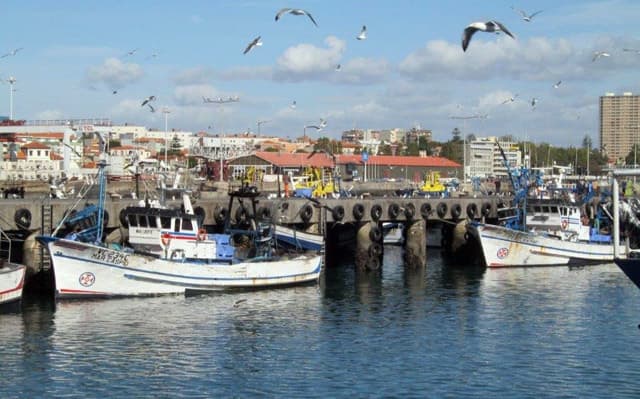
11	282
171	253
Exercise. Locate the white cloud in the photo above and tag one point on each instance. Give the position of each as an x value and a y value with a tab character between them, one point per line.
114	73
306	60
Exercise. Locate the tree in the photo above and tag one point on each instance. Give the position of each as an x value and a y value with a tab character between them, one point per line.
632	156
456	134
423	144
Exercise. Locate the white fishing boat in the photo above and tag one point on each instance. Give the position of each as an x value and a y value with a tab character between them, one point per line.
172	254
11	282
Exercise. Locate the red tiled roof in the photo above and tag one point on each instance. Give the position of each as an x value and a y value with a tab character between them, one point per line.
34	145
296	159
321	159
55	157
400	161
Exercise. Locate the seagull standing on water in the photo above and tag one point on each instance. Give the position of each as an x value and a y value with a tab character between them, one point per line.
295	11
598	54
491	26
526	17
363	33
255	42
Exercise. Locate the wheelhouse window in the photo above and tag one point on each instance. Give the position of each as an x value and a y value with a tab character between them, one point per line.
165	222
153	221
142	221
133	221
187	225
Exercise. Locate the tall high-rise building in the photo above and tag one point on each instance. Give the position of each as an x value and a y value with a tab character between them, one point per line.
619	125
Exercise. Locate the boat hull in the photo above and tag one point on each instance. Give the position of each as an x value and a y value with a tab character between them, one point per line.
299	239
630	267
87	270
503	247
11	282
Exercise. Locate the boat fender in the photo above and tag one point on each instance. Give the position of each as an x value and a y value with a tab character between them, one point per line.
394	210
375	234
486	209
373	263
409	211
123	219
22	218
220	214
338	213
306	213
376	212
425	210
264	213
202	234
358	211
441	210
241	214
456	211
375	250
472	210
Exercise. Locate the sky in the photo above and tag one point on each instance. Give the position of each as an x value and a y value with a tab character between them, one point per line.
410	71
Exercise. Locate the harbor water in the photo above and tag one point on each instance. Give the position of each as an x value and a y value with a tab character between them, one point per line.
445	331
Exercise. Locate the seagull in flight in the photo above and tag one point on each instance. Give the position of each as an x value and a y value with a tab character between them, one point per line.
148	100
510	99
131	52
598	54
293	105
491	26
363	33
526	17
534	101
558	83
255	42
11	53
295	11
338	68
151	108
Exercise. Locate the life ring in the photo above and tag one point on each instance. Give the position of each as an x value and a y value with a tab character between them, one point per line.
409	211
472	210
425	210
165	239
456	211
564	224
123	219
486	209
375	250
441	210
358	211
306	213
376	212
338	213
22	218
220	215
202	234
394	210
264	213
375	234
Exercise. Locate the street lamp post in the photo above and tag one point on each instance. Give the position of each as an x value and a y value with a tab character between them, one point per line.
166	111
464	140
11	81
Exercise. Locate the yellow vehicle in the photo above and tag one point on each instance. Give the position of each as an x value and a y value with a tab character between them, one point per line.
312	181
432	184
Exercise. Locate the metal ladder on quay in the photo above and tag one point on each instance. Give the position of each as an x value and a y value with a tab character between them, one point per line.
46	227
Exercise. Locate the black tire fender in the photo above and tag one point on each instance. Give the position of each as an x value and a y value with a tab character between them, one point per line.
22	218
409	211
306	213
337	213
486	209
456	211
376	212
358	211
441	210
425	210
375	234
472	210
394	210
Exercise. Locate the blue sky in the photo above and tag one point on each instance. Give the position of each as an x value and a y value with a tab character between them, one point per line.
410	70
